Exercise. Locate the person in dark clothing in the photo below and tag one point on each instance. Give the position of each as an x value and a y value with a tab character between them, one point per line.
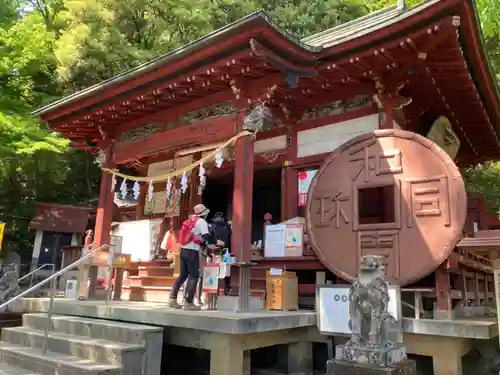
220	231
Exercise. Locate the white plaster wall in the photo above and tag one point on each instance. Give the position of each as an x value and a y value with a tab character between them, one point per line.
327	138
270	144
74	239
37	245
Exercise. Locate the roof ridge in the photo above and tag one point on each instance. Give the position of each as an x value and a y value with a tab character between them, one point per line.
349	23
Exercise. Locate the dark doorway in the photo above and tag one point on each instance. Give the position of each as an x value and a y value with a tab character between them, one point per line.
266	199
218	196
51	244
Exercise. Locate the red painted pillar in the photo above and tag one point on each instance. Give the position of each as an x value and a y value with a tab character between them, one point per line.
103	218
105	208
242	197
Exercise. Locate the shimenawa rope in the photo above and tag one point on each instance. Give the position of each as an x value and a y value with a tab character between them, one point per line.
182	170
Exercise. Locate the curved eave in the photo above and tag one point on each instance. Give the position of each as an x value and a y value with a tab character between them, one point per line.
479	64
394	23
257	25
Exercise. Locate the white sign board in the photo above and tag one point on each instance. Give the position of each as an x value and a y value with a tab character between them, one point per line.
275	243
211	278
332	308
139	239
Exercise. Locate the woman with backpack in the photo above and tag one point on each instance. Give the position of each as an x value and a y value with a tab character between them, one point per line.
194	236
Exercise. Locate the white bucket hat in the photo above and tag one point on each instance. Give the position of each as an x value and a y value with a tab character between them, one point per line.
201	210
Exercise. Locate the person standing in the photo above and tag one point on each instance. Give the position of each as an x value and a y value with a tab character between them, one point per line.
220	231
193	236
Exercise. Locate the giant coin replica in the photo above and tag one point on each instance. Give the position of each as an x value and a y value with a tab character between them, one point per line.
391	193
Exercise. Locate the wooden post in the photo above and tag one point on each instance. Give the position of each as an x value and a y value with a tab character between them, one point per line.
495	260
443	308
242	197
103	219
290	191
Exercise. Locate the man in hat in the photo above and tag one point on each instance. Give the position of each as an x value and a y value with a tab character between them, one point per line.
190	254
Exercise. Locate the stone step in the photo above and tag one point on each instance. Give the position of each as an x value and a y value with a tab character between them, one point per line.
168	281
94	328
52	363
103	351
6	369
151	263
162	294
155	271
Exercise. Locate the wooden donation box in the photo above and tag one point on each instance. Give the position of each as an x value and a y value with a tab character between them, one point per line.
282	291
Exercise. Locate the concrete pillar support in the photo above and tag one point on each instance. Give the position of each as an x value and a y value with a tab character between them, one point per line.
300	358
449	364
227	356
446	352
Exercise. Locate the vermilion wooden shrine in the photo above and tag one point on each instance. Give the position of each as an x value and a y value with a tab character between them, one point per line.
397	69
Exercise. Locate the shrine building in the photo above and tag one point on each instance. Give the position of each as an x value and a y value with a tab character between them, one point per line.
358	131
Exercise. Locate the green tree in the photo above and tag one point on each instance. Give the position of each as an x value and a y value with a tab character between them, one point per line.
105	37
35	163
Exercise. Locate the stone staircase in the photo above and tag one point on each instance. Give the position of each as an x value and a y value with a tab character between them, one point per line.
153	281
80	346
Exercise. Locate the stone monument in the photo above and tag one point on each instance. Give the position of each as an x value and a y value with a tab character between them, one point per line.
9	287
376	344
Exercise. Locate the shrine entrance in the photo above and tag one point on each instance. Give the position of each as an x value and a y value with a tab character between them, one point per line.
218	196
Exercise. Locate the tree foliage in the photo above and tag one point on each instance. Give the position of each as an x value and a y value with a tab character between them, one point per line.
50	48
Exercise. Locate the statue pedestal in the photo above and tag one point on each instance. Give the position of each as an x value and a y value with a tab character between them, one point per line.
371	356
339	367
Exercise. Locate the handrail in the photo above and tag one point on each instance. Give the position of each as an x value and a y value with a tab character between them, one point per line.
36	270
55	275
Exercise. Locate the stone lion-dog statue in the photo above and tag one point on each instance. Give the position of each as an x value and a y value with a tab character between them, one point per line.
370	323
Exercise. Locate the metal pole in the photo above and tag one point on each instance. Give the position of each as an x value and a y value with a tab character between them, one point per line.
54	271
49	314
31	274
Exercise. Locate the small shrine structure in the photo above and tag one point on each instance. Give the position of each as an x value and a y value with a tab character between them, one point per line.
57	226
382	110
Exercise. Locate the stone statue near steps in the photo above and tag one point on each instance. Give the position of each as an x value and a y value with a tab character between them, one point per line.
375	346
370	322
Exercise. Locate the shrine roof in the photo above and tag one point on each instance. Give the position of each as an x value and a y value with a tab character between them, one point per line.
314	44
362	26
60	218
341	60
259	18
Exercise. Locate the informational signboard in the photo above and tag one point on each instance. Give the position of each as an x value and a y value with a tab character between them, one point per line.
284	240
332	308
305	178
274	246
294	243
211	278
157	205
159	202
2	230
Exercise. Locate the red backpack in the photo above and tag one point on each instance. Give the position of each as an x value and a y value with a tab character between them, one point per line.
186	234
